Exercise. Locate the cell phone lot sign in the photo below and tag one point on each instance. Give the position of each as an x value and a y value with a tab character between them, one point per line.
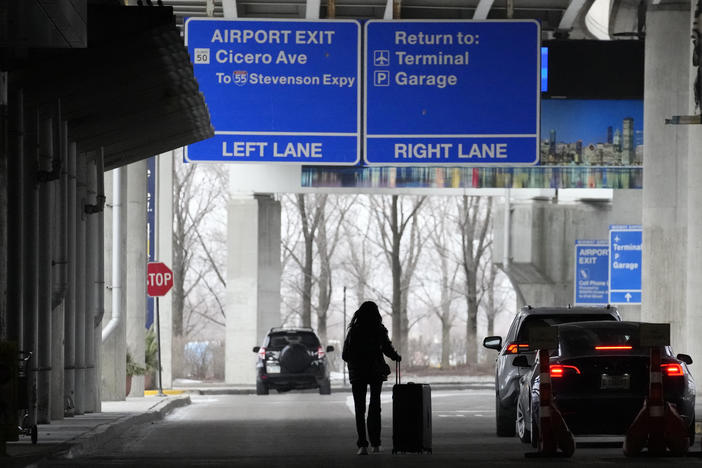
452	92
591	272
278	90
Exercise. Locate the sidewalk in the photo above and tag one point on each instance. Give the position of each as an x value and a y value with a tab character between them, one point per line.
73	436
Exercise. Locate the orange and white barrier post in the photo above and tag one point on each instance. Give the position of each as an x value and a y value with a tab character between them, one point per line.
553	431
658	425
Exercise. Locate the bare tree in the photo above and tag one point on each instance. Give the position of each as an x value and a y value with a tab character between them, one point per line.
329	233
359	263
197	192
475	214
443	245
393	218
291	279
310	215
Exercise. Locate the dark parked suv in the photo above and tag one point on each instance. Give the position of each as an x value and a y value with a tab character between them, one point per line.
507	375
292	358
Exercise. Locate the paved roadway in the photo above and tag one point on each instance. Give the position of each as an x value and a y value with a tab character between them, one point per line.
300	429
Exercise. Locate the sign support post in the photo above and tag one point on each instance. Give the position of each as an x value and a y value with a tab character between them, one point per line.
159	280
158	340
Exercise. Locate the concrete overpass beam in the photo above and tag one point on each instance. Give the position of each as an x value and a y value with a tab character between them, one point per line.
542	242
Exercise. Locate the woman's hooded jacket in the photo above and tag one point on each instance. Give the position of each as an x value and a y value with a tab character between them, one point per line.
363	351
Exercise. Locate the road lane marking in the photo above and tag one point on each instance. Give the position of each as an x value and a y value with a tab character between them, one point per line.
386	397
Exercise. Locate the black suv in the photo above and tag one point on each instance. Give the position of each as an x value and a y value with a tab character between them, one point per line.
507	375
292	358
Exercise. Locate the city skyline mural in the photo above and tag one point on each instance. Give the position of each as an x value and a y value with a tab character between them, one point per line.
583	144
591	132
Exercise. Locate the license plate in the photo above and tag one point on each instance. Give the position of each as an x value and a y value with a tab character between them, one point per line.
615	382
273	368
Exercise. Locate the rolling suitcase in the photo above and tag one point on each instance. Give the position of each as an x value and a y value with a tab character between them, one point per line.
411	416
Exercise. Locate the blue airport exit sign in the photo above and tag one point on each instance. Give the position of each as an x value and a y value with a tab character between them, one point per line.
452	92
283	91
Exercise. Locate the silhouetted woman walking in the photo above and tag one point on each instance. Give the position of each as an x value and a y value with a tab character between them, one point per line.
366	342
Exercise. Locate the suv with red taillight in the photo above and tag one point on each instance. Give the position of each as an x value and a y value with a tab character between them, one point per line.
507	375
292	358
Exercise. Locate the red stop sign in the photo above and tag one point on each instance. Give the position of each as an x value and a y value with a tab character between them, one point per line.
159	279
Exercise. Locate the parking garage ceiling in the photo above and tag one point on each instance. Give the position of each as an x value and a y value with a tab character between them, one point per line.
559	18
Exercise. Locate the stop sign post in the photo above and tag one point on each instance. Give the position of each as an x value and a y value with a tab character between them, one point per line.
159	280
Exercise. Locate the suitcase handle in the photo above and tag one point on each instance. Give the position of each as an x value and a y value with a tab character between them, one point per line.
398	378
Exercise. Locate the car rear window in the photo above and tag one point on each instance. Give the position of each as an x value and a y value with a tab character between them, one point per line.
588	339
556	319
281	340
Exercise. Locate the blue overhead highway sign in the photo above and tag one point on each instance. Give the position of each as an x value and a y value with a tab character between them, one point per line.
281	91
591	272
452	92
625	264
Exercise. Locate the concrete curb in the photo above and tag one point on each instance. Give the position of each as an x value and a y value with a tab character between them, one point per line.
96	437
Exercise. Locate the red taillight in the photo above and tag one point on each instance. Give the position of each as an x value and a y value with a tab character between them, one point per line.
559	370
672	370
262	353
612	348
514	348
320	352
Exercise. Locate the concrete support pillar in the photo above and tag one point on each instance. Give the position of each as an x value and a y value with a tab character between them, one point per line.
80	279
69	377
114	346
253	281
665	216
59	262
91	222
46	189
693	319
136	268
30	248
14	212
164	252
4	156
99	281
269	267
